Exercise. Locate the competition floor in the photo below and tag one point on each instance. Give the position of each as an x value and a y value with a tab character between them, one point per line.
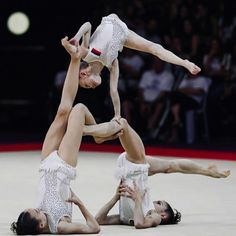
207	205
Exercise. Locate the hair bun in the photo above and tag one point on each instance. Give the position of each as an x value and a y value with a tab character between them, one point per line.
14	227
177	216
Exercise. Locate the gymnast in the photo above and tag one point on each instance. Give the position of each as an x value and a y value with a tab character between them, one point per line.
53	214
101	49
133	168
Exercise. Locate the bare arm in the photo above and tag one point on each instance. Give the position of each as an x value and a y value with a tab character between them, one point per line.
102	215
141	221
90	227
186	166
114	76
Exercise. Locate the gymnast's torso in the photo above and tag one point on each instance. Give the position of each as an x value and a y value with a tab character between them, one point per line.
54	190
107	40
129	172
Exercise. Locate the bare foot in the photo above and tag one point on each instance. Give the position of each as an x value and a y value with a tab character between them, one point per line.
193	69
112	137
214	172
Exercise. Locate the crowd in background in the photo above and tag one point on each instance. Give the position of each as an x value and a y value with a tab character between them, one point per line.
156	96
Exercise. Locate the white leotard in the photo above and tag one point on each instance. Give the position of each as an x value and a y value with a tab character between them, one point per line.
54	189
107	40
130	172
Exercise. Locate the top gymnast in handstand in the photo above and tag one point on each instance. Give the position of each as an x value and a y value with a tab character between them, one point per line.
101	49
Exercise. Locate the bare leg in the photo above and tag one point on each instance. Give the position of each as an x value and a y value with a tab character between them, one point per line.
102	130
132	143
79	116
139	43
185	166
57	129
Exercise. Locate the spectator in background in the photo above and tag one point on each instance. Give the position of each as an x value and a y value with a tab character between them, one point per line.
131	64
214	66
154	87
188	96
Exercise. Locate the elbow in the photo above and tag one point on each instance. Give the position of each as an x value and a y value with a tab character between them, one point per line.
139	225
96	229
99	220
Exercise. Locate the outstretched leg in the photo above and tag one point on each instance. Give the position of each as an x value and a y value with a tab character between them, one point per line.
184	166
139	43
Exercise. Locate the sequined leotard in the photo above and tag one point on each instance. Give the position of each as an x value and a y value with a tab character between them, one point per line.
107	40
54	189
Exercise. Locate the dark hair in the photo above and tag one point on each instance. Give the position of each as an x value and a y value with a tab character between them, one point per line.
25	225
172	217
83	65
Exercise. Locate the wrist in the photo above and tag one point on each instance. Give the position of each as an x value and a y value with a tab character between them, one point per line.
75	59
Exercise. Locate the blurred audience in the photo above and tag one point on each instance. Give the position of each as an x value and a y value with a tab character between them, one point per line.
196	30
154	86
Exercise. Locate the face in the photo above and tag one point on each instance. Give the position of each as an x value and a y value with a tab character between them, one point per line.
160	206
38	215
88	80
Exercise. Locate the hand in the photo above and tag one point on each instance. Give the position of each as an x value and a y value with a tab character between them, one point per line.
116	118
134	193
193	69
74	199
74	51
74	42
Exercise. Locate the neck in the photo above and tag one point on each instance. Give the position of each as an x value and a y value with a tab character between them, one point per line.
96	67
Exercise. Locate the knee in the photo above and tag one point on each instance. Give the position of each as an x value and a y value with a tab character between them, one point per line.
63	111
124	123
78	109
154	48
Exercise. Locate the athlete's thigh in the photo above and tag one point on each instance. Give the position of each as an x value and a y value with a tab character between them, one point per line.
70	144
136	42
132	143
55	134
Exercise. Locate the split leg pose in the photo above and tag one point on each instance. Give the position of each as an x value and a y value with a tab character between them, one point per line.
102	48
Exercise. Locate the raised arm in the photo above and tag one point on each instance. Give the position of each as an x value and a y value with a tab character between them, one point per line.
91	226
114	76
140	220
102	215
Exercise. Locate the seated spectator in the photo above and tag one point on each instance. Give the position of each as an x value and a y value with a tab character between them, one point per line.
131	64
154	86
188	96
